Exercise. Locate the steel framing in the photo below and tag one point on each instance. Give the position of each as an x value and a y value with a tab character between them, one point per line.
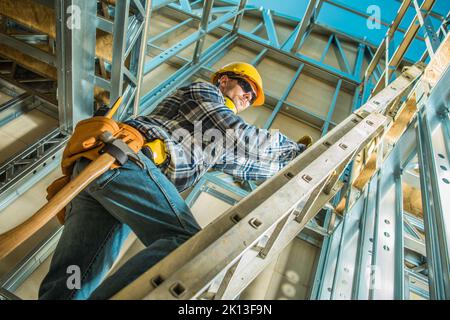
129	40
433	150
384	235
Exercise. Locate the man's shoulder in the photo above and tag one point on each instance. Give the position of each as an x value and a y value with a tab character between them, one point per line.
204	91
202	85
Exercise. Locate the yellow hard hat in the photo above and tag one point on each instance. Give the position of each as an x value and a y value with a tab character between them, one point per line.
247	71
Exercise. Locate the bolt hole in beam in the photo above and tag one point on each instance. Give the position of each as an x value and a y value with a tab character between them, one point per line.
255	223
156	281
235	218
289	175
178	290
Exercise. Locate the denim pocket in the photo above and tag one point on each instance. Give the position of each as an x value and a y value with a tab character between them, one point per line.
102	181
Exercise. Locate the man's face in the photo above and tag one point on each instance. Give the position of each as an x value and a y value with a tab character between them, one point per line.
233	90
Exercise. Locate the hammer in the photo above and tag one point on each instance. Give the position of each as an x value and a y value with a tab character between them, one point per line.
114	150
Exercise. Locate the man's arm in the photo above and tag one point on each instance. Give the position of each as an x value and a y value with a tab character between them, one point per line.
257	153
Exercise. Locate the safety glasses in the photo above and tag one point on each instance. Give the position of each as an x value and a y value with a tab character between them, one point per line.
246	87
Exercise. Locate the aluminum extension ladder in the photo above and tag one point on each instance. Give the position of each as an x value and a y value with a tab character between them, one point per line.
221	260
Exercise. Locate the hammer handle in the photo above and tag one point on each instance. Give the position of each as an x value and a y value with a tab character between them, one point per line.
16	236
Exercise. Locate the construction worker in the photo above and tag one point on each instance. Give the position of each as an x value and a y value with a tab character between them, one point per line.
143	196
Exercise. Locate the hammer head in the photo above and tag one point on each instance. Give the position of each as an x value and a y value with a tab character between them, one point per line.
117	148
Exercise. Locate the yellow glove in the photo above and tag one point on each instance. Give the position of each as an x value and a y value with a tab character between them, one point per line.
306	140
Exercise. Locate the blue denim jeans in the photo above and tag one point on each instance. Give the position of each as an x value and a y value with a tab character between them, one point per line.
131	198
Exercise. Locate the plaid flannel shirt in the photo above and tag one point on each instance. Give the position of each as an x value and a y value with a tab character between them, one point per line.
201	133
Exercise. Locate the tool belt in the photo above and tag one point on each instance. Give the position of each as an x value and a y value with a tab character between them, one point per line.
85	143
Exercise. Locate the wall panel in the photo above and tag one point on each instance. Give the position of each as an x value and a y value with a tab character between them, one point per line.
313	94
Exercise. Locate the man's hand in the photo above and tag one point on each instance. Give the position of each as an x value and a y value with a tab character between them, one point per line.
306	140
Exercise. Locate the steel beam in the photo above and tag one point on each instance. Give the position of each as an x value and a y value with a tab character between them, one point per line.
278	106
28	49
433	136
166	33
75	59
104	24
363	281
183	44
203	29
119	47
345	262
257	41
6	295
342	59
331	108
270	28
139	55
30	263
239	17
431	40
303	25
178	78
359	61
29	166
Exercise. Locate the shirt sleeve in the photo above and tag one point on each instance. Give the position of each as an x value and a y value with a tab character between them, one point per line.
258	153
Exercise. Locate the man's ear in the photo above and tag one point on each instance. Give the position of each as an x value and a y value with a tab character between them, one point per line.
223	80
